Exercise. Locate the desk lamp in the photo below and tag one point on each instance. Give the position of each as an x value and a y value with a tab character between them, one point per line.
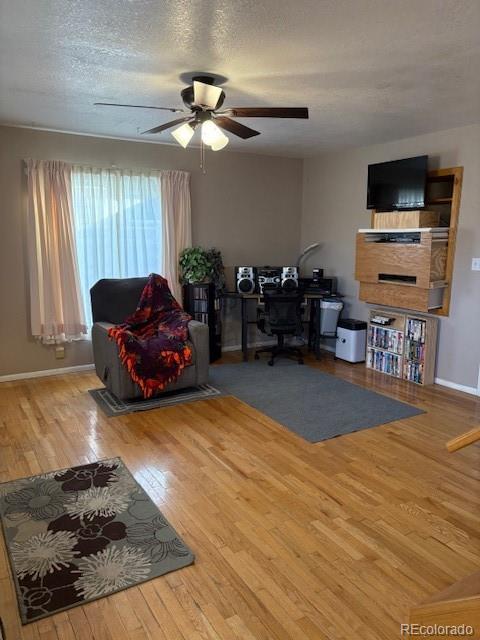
309	249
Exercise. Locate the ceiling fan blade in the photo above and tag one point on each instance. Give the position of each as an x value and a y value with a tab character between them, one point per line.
206	95
268	112
236	128
167	125
137	106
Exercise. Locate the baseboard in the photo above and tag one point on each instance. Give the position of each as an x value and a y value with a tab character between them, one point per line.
235	347
251	345
458	387
268	343
327	347
46	372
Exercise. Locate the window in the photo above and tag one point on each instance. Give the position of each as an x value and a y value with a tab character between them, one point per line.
118	225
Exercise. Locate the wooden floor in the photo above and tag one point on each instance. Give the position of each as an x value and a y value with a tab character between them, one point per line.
292	540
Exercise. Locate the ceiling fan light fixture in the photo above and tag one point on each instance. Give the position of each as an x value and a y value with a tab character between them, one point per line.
205	95
183	134
213	136
220	144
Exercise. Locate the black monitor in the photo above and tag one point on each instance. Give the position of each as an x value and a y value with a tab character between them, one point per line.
399	184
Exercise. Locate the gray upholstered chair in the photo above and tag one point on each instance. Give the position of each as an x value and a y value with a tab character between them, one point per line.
112	301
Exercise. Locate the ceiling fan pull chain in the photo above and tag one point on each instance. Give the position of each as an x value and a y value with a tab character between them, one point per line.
202	157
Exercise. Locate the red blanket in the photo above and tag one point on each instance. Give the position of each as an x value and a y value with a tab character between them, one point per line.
153	340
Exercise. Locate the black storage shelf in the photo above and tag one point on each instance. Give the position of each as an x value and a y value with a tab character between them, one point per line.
203	304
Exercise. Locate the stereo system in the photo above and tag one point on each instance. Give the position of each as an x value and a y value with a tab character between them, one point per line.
268	277
255	279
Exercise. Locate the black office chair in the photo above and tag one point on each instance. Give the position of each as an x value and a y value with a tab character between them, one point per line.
282	317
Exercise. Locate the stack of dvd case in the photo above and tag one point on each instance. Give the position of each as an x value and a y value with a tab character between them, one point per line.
389	339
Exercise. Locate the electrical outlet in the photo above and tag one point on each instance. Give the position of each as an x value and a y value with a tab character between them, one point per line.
59	353
475	264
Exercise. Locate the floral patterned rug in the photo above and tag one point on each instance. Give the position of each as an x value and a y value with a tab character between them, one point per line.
79	534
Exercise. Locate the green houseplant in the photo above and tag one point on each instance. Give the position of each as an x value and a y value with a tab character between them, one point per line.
198	265
217	268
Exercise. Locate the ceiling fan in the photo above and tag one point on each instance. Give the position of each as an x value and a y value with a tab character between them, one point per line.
205	101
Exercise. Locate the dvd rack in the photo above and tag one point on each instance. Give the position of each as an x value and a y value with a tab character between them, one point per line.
402	345
203	304
386	339
385	362
416	330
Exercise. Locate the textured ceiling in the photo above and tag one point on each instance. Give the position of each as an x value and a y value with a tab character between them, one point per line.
369	70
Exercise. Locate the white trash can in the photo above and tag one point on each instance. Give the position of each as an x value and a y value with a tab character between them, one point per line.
351	340
329	311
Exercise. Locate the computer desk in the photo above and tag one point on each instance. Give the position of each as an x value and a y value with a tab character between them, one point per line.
313	320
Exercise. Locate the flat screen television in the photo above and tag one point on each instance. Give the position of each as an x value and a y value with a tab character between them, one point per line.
399	184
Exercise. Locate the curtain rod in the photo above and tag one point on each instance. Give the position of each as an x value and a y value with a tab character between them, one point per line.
87	165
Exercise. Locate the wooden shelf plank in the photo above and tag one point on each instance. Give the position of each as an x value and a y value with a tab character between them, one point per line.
440	177
433	230
439	201
394	353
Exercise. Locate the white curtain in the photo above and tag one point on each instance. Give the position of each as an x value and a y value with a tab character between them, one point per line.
118	225
177	224
56	308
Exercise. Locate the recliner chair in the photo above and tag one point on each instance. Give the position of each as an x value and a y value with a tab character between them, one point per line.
113	300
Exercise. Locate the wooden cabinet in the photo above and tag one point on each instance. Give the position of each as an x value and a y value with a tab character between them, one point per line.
416	274
421	262
404	348
444	192
404	296
406	219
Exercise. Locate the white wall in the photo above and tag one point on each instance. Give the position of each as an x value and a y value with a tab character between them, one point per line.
334	197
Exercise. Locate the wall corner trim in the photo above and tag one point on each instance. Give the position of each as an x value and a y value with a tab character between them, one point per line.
46	372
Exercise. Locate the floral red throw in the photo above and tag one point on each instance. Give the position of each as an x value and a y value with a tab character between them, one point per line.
153	340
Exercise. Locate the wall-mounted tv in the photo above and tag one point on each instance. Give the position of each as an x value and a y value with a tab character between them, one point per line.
399	184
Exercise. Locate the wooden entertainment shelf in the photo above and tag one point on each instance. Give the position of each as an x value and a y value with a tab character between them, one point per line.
412	268
405	348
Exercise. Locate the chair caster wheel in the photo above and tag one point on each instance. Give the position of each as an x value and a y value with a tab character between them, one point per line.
256	356
270	363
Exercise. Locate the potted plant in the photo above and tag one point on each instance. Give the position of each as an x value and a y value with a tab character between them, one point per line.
198	266
217	268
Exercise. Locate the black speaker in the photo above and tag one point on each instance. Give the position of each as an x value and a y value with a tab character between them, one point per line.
289	278
245	278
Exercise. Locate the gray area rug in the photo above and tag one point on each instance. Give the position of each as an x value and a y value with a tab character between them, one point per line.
78	534
112	406
313	404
